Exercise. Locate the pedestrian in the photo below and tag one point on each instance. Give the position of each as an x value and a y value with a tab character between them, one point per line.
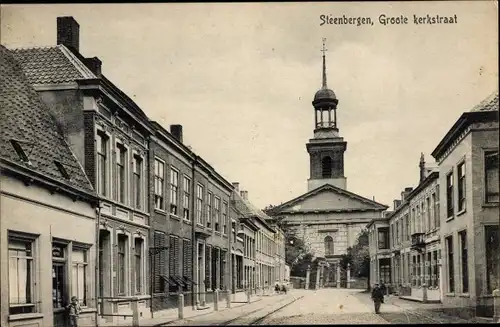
283	288
73	311
277	288
377	297
383	288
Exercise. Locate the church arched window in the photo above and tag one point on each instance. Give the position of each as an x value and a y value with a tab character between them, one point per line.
329	245
326	167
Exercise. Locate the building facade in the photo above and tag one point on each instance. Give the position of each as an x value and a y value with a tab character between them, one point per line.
469	209
328	217
191	210
43	190
109	135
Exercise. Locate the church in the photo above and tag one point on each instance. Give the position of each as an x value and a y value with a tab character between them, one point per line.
328	217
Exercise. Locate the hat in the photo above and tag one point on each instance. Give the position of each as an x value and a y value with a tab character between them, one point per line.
74	298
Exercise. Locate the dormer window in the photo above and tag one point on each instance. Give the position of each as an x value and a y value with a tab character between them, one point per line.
61	169
19	150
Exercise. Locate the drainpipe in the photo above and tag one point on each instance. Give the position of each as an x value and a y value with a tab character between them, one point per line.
194	245
96	282
229	259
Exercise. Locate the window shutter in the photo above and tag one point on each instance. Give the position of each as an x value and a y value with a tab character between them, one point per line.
177	253
187	265
214	268
171	262
159	267
208	277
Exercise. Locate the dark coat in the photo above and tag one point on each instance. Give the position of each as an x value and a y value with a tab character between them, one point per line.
377	294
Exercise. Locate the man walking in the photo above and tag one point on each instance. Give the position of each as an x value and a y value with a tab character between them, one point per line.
377	297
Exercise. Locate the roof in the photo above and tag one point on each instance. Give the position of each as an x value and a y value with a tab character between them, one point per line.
490	103
324	93
248	210
59	65
485	111
51	65
25	119
378	206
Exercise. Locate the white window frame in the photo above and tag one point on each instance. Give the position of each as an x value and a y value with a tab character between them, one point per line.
225	214
138	206
174	191
217	211
33	241
200	190
210	198
85	263
126	268
100	132
186	197
120	144
143	265
159	199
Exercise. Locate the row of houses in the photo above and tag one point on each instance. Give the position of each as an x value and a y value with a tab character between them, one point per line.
441	242
102	203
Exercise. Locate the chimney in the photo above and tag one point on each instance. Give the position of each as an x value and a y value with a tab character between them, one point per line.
236	187
397	203
176	131
94	64
244	195
421	165
68	33
405	193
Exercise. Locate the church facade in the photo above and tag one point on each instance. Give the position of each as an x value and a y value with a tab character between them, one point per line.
328	217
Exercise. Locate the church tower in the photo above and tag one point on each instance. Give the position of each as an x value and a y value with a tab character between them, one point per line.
326	149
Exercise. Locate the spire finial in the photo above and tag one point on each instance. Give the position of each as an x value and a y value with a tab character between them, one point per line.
324	63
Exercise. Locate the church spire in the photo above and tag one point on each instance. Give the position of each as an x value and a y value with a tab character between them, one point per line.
324	64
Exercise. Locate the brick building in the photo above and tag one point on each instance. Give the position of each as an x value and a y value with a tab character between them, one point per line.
190	222
44	190
469	209
109	135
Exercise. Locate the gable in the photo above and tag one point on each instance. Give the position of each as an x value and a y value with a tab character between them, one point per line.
330	198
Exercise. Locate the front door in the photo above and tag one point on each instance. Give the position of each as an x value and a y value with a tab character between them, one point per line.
59	294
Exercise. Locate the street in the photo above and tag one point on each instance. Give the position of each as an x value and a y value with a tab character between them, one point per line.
324	306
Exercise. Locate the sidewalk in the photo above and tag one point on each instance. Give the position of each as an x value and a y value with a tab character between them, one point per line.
237	309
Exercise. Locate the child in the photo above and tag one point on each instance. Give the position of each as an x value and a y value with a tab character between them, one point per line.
74	311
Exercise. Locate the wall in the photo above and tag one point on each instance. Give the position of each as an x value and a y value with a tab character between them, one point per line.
32	209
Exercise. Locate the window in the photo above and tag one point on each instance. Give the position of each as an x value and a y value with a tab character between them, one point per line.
173	257
451	272
385	270
326	167
435	270
437	216
217	214
174	187
187	190
465	268
137	182
428	213
209	210
19	150
121	161
397	233
491	176
138	244
461	186
492	246
329	250
159	262
383	238
21	276
407	227
122	262
61	169
102	163
433	218
449	195
159	184
224	218
79	277
199	204
58	275
233	229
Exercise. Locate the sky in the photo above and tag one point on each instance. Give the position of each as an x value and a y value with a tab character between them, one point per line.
240	78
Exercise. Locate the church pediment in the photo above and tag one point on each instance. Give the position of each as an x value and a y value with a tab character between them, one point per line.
328	198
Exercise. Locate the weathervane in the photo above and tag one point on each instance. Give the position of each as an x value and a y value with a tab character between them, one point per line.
324	63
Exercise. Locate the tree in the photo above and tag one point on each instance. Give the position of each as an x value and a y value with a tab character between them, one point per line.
298	254
358	256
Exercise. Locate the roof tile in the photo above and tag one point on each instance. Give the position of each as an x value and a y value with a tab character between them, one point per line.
25	119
